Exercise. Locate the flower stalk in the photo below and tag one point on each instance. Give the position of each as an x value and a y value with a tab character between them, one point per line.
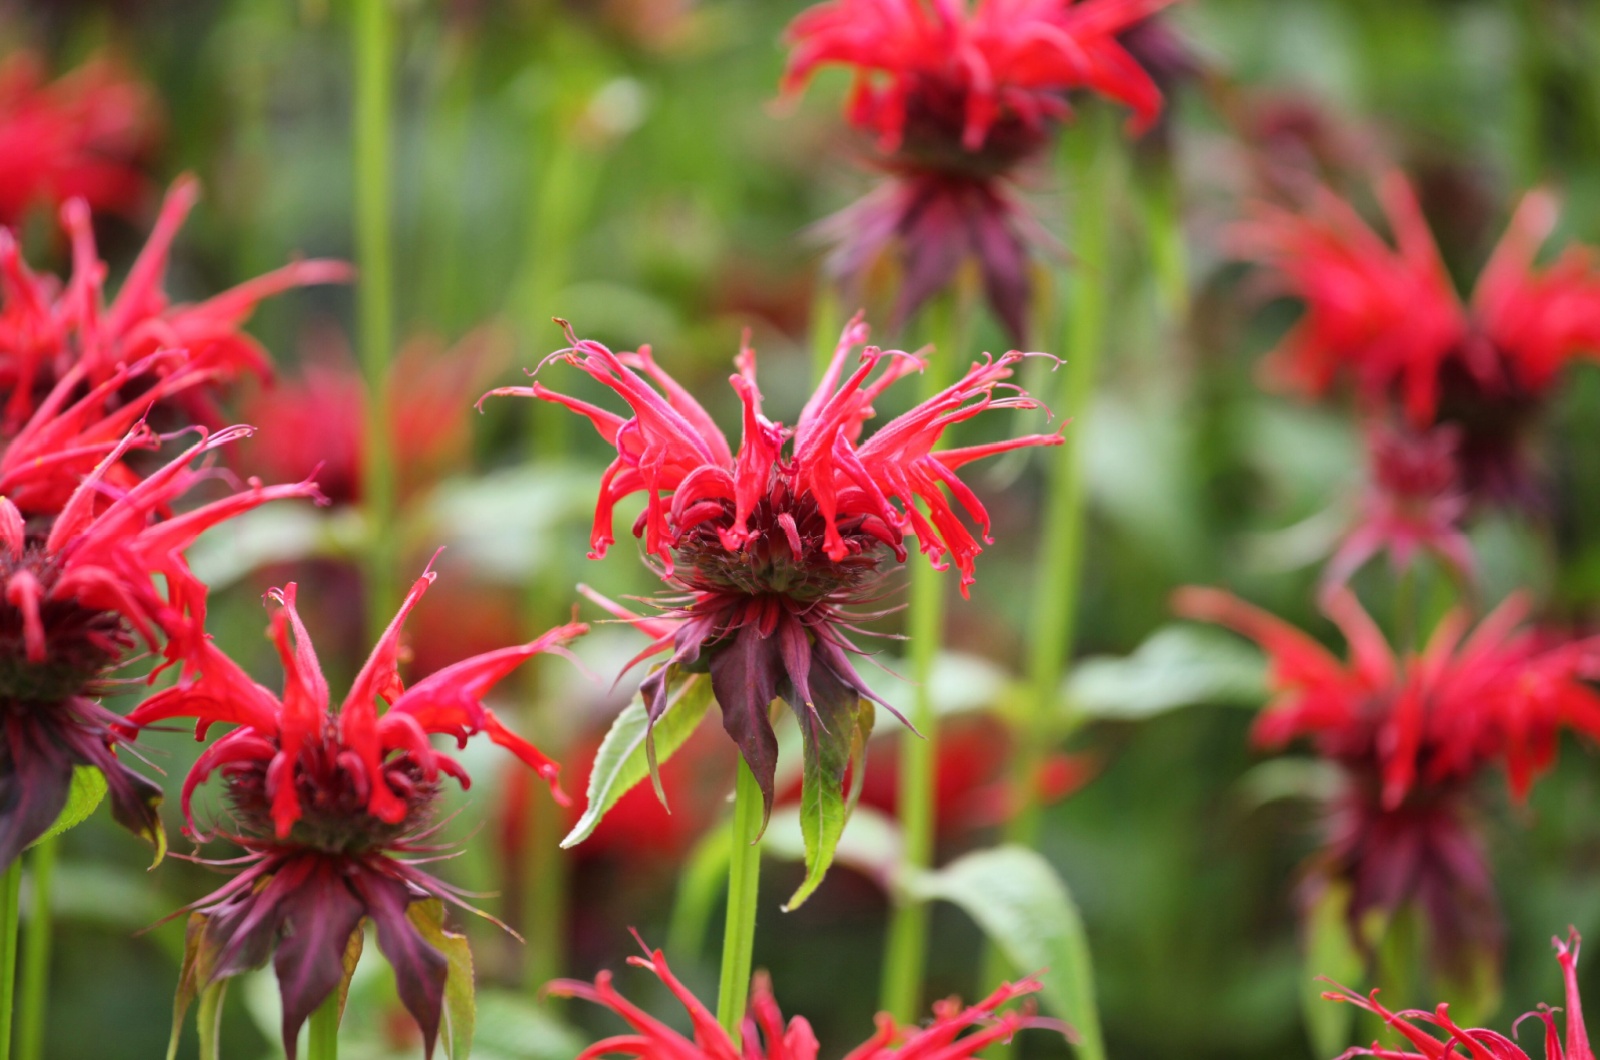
744	879
323	1043
906	948
372	56
35	987
10	909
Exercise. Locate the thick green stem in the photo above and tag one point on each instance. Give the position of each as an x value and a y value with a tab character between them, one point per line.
372	58
744	877
35	994
324	1038
1087	157
906	949
10	897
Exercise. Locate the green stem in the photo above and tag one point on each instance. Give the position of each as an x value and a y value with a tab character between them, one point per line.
825	326
35	993
10	897
1087	157
744	877
547	895
906	948
324	1037
372	57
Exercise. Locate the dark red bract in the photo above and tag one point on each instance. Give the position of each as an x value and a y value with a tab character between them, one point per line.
770	549
326	801
1413	738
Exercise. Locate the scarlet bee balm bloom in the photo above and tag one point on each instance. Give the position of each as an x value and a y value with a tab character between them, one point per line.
770	546
1477	1043
765	1036
327	803
1413	736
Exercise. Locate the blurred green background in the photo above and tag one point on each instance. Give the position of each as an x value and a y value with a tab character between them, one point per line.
625	164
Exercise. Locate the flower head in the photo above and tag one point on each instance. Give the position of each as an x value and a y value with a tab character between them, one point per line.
324	801
1412	736
1478	1043
50	328
951	84
78	595
771	546
1387	319
1414	503
765	1036
78	137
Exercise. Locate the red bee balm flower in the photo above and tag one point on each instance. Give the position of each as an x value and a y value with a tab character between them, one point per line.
771	546
79	594
48	328
766	1037
1388	319
1412	736
1477	1043
78	137
958	96
324	801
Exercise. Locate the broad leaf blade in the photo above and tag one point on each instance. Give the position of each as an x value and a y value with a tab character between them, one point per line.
872	845
460	1007
86	793
624	757
1329	955
831	741
1178	666
1024	908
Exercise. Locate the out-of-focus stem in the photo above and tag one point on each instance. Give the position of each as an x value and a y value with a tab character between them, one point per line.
825	326
10	897
744	878
372	57
324	1034
35	987
546	920
906	948
1087	155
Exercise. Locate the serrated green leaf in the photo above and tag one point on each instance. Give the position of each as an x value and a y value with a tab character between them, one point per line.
460	1004
88	790
1179	666
835	737
1329	954
626	754
872	844
1024	908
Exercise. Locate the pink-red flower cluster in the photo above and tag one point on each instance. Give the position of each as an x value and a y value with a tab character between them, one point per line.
79	137
50	328
771	546
1478	1043
957	96
326	802
1386	319
765	1036
1412	737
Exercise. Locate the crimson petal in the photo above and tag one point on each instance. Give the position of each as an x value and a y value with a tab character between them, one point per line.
419	969
319	917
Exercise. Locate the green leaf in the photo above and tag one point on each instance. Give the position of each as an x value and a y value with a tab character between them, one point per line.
1330	954
460	1007
1179	666
1024	908
192	977
631	749
511	1026
86	793
872	844
831	741
209	1019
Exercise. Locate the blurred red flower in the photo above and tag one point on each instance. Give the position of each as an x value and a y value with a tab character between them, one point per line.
324	801
49	327
78	137
772	550
958	95
1387	319
1479	1043
1414	503
766	1037
79	593
317	420
1412	736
